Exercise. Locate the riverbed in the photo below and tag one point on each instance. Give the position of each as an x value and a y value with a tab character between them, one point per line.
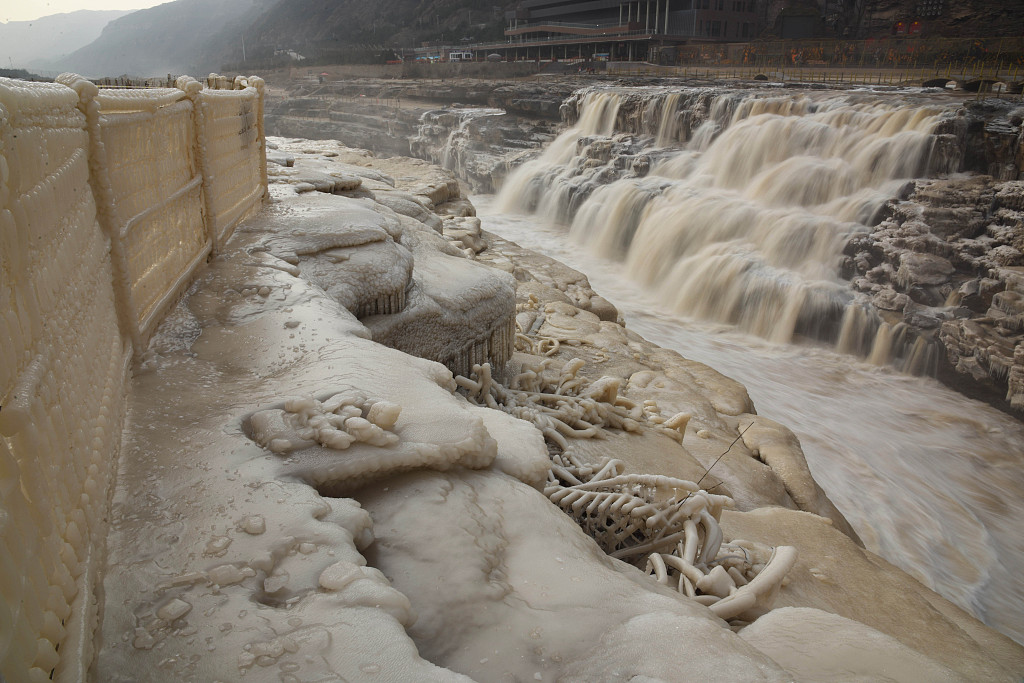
932	481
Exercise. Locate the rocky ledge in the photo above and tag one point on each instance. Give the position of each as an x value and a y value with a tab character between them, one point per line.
947	261
476	128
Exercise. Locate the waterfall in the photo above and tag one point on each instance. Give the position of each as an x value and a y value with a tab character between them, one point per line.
747	206
453	126
547	184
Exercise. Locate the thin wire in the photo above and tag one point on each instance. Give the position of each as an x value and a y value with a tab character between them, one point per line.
740	436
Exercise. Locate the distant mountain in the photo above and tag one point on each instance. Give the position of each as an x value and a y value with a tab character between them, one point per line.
38	42
173	38
198	36
356	30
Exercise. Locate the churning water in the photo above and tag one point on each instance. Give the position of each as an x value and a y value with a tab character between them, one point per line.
744	223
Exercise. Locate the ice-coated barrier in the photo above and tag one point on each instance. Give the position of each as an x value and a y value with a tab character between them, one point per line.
61	382
109	201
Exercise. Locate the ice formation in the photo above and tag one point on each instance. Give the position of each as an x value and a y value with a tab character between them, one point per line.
664	525
670	527
413	289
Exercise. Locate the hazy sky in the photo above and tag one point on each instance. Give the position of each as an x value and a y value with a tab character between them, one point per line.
22	10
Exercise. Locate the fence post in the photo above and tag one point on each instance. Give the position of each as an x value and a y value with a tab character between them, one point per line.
106	209
261	89
193	91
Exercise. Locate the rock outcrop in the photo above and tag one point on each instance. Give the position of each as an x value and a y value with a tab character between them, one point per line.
472	127
947	263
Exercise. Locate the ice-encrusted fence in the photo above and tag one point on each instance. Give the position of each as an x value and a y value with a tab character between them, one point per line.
109	201
174	171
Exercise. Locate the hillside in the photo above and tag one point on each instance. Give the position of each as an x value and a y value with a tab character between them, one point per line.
197	36
171	38
352	30
47	39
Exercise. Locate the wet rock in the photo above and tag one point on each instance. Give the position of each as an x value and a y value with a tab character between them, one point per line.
923	269
949	259
889	299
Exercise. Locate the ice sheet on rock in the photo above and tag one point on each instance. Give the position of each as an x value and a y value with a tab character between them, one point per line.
280	159
832	648
368	174
368	279
409	205
465	231
332	445
325	223
832	573
458	313
778	447
243	329
254	604
521	450
334	183
348	249
669	647
529	594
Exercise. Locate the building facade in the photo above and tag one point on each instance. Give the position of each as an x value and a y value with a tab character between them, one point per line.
720	19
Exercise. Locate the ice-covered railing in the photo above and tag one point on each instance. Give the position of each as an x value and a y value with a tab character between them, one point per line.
109	201
61	383
232	149
174	171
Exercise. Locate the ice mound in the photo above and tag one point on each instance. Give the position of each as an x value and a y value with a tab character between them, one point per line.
377	251
836	649
459	313
343	441
526	594
337	422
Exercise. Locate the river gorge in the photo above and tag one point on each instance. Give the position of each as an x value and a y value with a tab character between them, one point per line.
852	257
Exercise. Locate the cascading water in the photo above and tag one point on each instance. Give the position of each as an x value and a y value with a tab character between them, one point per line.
745	222
528	188
453	125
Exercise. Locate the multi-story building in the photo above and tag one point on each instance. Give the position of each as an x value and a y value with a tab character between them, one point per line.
625	30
